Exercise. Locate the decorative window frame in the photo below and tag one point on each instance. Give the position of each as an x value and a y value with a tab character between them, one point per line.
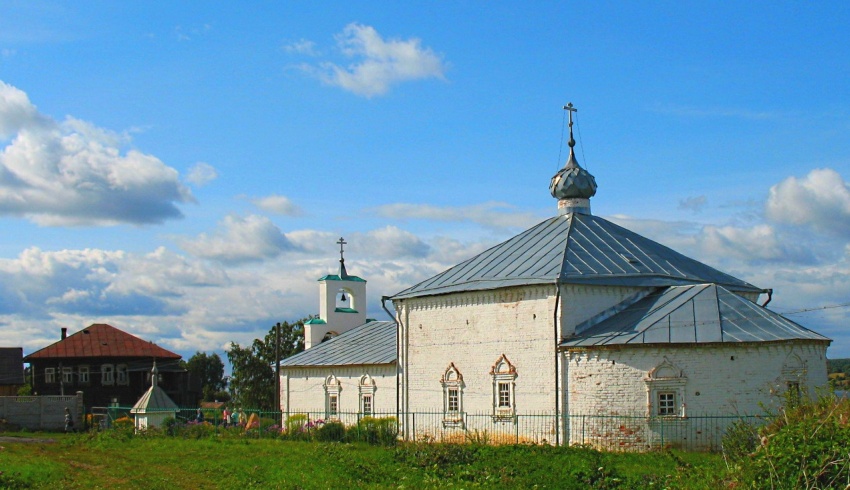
68	375
452	380
504	375
332	390
49	375
107	374
84	375
367	395
666	378
122	375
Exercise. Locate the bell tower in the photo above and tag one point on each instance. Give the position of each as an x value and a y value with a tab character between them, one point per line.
342	304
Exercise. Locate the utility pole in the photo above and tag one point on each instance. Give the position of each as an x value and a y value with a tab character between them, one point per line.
277	367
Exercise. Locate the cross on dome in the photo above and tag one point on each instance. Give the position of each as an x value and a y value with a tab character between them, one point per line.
572	186
342	272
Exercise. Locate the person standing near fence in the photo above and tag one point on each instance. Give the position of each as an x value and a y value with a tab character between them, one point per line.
225	416
69	421
243	420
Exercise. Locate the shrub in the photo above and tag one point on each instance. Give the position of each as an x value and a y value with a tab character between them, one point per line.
740	440
333	431
296	427
805	447
379	431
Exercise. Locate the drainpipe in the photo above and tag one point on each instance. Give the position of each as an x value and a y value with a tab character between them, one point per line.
397	357
557	371
769	297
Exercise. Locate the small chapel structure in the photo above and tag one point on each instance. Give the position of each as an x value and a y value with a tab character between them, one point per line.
576	330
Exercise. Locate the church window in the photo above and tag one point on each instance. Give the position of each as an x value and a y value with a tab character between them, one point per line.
665	386
452	382
666	403
332	389
367	395
49	375
67	375
83	374
504	393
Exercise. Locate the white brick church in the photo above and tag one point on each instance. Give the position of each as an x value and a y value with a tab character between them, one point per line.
576	330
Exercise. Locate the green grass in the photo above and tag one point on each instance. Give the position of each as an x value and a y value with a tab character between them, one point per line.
109	460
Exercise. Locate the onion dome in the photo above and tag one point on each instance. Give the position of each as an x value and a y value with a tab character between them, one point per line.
572	186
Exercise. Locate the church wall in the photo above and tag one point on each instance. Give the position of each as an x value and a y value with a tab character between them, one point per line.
718	379
472	331
303	389
582	302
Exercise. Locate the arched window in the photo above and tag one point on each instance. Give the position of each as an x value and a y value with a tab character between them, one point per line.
665	390
332	391
367	395
452	382
504	392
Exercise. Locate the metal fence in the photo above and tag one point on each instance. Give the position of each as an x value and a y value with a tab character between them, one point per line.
604	432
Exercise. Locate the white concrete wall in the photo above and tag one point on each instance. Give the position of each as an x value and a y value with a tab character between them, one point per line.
721	379
302	389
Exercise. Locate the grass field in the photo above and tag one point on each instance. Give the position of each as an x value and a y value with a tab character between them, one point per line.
110	460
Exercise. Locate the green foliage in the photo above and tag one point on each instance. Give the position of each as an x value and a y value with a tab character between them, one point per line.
331	432
740	440
253	382
209	370
25	390
805	446
838	366
381	431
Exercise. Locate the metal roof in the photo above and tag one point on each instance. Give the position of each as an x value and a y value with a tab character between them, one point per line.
371	343
575	249
698	314
102	340
155	399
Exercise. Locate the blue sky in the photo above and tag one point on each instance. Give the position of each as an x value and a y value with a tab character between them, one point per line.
182	170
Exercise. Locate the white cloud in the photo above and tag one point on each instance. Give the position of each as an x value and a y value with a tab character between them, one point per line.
73	173
301	46
389	243
489	214
201	174
378	63
278	204
238	240
820	200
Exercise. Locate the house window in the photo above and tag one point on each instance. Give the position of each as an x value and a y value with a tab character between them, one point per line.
665	389
67	375
452	382
332	389
107	374
83	374
367	395
49	375
666	403
122	374
504	396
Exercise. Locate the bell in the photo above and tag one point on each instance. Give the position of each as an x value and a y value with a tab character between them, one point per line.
343	298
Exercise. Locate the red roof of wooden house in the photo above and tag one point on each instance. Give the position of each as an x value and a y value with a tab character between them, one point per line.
102	340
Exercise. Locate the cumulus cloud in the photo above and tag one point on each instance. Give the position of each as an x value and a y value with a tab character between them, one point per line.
278	204
74	173
238	240
489	214
820	200
390	243
378	64
201	174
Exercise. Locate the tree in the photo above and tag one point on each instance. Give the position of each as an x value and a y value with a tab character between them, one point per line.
253	381
210	370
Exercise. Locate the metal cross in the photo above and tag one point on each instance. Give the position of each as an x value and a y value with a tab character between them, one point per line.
570	109
341	242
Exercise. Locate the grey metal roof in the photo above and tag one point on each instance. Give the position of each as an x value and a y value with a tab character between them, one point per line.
373	342
699	314
575	249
